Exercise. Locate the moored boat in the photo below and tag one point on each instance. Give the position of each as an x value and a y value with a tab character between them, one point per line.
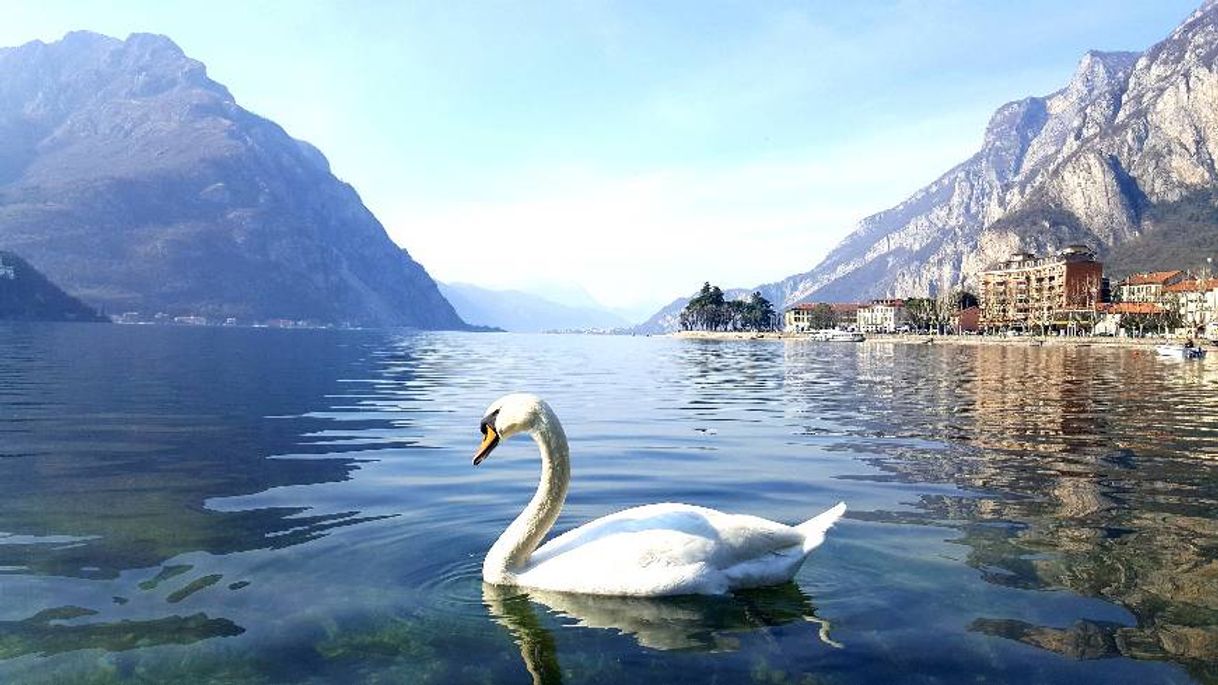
1181	351
837	336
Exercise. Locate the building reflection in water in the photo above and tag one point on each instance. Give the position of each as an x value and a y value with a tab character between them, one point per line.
1097	471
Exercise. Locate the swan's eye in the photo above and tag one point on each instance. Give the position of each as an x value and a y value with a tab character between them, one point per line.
488	422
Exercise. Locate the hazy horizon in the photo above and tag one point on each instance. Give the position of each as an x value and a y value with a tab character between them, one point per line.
730	143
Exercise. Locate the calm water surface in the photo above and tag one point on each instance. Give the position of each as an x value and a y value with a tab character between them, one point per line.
212	505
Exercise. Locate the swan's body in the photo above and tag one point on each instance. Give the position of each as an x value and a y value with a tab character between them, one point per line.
649	551
669	549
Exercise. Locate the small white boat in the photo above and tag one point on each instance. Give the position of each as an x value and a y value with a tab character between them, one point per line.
837	336
1181	351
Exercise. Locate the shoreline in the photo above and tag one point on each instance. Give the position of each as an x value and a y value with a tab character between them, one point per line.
921	339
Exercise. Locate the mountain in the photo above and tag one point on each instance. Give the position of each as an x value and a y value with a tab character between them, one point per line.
138	184
26	295
666	320
1121	159
522	312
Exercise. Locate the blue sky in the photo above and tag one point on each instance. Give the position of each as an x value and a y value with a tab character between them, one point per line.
629	149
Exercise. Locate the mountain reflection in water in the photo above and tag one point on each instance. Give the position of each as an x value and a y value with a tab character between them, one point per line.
38	635
131	443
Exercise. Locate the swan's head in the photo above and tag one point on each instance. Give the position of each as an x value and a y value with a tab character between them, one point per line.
511	414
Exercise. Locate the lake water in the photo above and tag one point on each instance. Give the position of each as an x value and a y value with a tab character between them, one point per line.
264	506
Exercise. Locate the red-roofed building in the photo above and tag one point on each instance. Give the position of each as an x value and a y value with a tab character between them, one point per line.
1114	315
1148	287
799	318
883	316
846	314
1191	285
1197	301
967	320
1131	308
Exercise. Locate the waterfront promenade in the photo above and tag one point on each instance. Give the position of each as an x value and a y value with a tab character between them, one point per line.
921	339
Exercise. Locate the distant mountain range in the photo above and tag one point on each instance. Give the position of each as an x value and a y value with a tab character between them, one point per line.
1121	159
517	311
26	295
138	184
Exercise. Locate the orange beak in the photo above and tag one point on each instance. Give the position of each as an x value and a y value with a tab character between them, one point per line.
490	439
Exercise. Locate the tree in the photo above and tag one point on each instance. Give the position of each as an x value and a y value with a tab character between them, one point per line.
758	313
1158	322
708	296
821	317
922	312
710	311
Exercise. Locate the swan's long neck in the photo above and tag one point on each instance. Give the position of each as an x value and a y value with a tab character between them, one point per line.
511	552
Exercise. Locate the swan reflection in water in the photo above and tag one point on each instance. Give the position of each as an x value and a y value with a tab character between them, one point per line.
691	622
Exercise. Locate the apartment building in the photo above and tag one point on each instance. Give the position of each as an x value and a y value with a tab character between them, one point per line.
1026	291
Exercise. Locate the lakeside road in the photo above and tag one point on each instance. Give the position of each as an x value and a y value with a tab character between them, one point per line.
921	339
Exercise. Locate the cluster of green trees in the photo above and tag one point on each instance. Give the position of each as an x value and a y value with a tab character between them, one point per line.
1159	322
821	317
709	310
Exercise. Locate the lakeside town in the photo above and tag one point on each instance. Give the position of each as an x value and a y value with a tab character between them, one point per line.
1061	295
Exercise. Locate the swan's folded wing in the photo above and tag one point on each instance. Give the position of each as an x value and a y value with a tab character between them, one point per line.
746	538
657	549
646	562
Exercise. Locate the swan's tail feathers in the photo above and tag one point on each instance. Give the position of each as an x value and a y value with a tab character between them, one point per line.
814	528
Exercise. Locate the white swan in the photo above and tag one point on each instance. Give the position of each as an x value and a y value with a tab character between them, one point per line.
649	551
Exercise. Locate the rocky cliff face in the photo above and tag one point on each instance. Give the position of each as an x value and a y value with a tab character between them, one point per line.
1121	159
137	183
